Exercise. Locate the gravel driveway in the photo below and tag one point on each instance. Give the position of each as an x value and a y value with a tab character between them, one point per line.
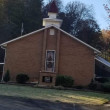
16	103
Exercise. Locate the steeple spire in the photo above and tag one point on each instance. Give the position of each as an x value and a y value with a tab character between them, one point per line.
53	7
52	20
53	10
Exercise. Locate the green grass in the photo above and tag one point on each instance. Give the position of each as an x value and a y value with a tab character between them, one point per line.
67	96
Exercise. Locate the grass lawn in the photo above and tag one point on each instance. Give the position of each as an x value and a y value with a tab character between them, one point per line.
67	96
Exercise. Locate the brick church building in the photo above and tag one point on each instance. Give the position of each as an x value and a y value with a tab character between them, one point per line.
48	52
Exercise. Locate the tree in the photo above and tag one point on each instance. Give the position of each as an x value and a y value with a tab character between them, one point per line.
78	20
15	14
26	12
33	15
5	30
107	8
6	76
2	14
107	33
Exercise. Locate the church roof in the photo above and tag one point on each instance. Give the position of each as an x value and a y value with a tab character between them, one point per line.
53	7
3	45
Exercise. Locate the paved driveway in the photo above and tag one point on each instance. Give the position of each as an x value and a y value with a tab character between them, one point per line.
15	103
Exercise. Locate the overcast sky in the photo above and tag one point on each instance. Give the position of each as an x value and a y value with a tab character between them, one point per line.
99	11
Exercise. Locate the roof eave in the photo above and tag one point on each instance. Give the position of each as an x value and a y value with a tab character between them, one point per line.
102	62
95	50
5	44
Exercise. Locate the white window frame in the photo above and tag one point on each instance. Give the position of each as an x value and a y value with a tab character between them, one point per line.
50	61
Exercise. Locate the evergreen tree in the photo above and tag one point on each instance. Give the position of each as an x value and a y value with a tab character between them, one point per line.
15	13
2	15
26	12
33	15
6	77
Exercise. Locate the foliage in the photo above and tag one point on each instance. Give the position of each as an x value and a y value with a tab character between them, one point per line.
16	12
106	87
22	78
33	15
65	81
92	86
78	20
107	8
79	87
4	27
106	51
6	76
101	84
2	14
102	79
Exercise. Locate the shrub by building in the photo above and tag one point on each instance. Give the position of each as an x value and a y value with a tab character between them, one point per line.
22	78
106	87
6	76
66	81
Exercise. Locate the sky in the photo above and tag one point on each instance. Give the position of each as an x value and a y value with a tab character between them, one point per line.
99	12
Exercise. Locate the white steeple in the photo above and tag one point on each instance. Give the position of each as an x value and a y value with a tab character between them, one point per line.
52	20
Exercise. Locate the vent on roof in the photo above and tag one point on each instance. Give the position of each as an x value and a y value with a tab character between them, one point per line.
52	32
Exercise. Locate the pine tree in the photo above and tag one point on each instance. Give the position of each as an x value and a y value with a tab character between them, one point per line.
27	12
6	77
33	15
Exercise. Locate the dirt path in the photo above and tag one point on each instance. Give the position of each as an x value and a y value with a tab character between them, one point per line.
16	103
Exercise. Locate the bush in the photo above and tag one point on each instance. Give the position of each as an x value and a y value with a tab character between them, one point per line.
22	78
92	86
79	87
6	76
102	79
66	81
106	87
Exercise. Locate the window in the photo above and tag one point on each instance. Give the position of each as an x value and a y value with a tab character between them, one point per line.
50	61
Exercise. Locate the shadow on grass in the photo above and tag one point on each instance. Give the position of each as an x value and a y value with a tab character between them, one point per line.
19	103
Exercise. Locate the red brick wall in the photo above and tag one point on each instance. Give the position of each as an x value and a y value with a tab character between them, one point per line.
75	59
24	56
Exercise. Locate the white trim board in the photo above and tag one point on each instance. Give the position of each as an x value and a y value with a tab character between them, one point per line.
2	63
103	61
5	43
78	40
10	41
